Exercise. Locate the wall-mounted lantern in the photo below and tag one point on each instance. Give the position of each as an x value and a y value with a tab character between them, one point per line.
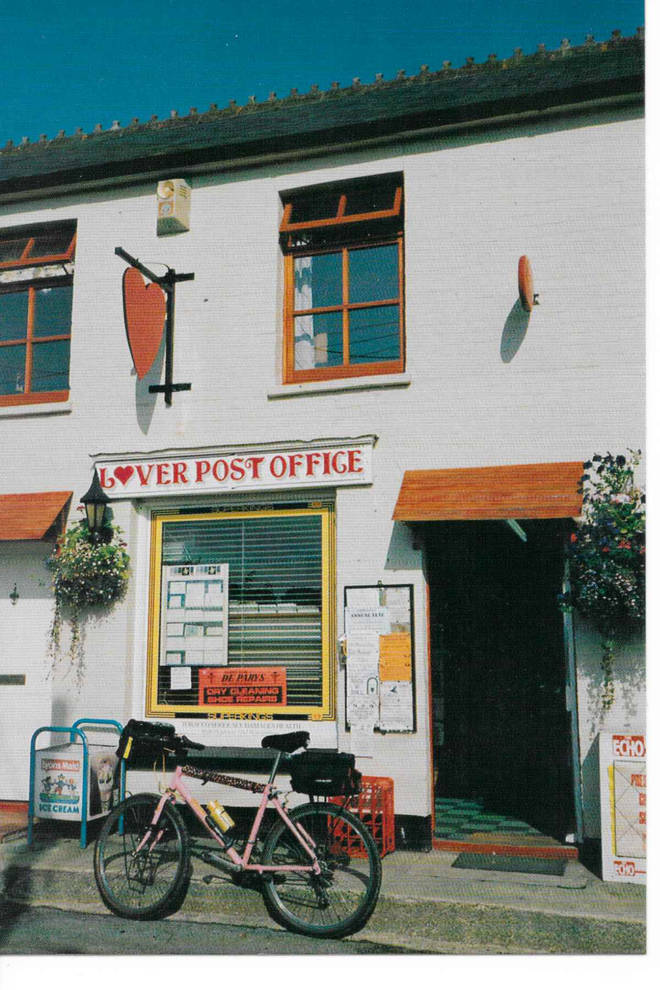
95	501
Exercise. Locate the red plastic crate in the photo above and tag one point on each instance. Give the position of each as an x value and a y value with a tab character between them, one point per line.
374	806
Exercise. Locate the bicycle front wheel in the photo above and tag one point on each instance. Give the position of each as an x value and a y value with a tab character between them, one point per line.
340	900
152	882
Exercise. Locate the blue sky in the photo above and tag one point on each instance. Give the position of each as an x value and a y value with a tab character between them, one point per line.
66	65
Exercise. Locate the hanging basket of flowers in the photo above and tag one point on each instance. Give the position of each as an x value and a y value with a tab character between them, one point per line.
607	555
87	572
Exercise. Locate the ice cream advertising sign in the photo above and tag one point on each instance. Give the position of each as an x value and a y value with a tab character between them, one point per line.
345	463
58	782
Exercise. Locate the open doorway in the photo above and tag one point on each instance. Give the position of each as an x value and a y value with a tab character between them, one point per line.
502	743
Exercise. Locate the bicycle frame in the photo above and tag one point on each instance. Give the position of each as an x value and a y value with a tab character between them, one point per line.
269	795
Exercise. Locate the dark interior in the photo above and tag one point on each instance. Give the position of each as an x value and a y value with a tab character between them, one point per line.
501	730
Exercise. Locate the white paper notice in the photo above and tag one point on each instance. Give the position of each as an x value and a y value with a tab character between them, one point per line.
362	653
396	713
363	619
194	594
180	678
363	598
362	742
362	689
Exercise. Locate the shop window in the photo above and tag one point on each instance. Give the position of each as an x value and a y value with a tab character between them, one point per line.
242	619
343	263
36	288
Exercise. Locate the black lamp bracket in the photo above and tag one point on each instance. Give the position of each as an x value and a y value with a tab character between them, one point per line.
167	282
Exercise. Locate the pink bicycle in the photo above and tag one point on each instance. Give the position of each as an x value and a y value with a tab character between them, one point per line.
319	867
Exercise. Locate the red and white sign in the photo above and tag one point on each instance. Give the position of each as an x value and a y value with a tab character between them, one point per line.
242	686
623	747
345	463
623	806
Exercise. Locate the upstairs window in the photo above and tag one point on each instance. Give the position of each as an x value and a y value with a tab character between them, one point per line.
343	262
36	288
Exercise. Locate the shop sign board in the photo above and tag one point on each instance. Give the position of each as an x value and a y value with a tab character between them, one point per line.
242	686
58	781
623	806
325	464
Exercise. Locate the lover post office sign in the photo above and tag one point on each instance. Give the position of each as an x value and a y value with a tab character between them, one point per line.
623	806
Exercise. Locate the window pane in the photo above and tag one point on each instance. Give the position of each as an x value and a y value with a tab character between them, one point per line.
374	334
317	281
51	242
370	199
52	310
12	370
318	341
11	250
318	206
275	576
50	366
374	273
13	315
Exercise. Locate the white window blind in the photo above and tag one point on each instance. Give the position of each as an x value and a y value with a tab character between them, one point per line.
275	580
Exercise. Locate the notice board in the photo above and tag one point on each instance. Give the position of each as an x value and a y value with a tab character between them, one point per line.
380	685
623	806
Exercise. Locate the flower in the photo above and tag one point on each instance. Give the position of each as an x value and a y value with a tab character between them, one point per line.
85	574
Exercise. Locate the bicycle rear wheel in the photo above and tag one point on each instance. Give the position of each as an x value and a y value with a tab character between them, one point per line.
152	882
342	898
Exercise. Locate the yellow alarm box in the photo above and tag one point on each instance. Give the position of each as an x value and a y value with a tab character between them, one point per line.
173	199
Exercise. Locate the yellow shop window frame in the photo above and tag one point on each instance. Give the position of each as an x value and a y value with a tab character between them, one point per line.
325	709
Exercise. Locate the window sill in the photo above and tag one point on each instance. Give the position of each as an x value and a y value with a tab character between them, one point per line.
340	385
38	409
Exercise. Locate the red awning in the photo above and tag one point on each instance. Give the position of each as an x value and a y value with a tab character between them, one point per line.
515	491
32	516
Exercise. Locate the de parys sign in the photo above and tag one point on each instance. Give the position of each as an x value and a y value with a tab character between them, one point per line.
347	462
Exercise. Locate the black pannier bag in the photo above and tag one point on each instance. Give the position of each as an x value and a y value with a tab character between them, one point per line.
325	773
145	741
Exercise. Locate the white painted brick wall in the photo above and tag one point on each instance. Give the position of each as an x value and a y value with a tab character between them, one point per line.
569	195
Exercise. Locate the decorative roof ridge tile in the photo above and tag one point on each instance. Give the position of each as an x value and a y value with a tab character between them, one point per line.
493	64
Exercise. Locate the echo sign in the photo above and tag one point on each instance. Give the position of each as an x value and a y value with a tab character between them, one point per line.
349	464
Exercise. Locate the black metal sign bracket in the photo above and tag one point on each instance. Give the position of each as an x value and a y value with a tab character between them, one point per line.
167	282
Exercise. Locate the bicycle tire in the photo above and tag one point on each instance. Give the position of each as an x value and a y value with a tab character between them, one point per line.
154	882
342	899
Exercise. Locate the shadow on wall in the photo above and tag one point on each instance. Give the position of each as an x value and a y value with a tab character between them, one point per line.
145	401
514	332
401	552
628	710
591	791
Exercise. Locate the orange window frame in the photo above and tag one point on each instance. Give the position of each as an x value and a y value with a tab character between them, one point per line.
28	397
288	230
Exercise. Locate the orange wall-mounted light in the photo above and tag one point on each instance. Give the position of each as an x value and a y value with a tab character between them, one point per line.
526	284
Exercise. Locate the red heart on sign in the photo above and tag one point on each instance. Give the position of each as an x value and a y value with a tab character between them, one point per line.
124	473
144	318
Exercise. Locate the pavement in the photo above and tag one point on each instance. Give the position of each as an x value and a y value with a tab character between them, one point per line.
426	904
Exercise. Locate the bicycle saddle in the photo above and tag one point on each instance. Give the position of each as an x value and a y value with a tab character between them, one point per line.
286	742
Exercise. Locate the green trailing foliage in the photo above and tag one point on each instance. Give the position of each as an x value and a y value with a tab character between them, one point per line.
607	555
87	572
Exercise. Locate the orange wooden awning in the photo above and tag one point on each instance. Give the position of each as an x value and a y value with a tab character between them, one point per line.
515	491
32	516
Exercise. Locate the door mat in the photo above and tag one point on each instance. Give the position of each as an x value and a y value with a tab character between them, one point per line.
510	864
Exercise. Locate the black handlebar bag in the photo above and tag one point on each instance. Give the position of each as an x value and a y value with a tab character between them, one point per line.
325	773
145	742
